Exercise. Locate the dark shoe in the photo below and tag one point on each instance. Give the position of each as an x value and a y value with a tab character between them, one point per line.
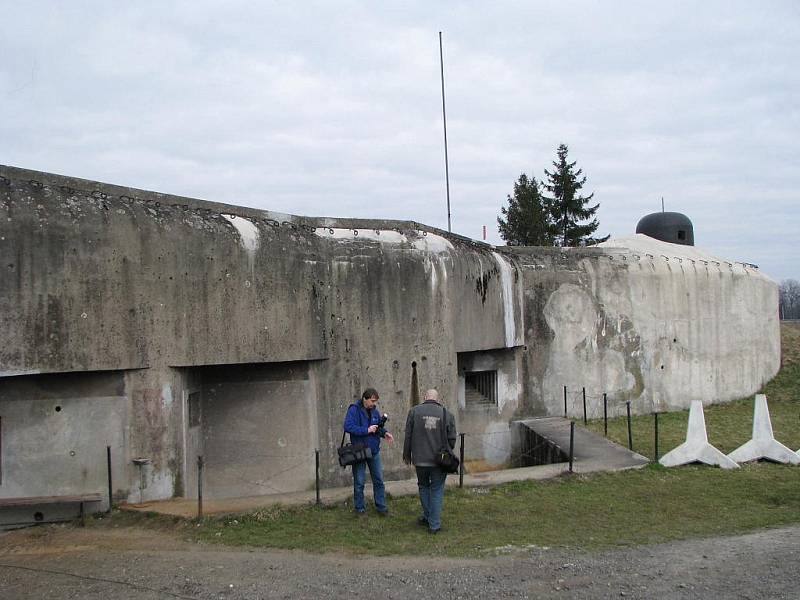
434	531
422	521
361	513
383	513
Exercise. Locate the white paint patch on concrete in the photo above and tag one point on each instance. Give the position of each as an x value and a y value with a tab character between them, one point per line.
507	290
763	443
386	236
496	443
433	243
429	242
696	447
431	264
248	232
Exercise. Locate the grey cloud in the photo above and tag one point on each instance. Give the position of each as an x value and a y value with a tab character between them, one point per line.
327	109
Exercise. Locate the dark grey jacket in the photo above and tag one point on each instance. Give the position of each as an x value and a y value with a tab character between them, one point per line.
424	433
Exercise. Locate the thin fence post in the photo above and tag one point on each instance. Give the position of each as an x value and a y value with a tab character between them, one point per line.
605	413
584	406
316	486
630	433
199	486
461	464
655	416
571	443
565	401
108	466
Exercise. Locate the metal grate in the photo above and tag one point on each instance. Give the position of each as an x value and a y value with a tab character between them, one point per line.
480	388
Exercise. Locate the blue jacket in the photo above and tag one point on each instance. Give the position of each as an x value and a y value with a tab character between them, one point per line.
356	423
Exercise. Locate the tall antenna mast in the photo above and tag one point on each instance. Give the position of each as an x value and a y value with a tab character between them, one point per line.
444	120
662	203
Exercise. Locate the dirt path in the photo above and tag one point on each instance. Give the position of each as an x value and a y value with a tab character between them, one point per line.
66	562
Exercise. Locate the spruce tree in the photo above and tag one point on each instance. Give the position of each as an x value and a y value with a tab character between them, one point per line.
527	219
569	209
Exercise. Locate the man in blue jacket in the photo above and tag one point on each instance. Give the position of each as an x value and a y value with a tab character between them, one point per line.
363	423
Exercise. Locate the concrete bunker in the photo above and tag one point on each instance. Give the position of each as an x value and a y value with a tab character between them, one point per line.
242	334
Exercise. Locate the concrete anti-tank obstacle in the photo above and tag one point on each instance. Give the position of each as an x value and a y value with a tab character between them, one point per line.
763	444
696	447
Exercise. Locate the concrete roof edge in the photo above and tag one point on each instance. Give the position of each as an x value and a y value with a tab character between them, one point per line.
92	187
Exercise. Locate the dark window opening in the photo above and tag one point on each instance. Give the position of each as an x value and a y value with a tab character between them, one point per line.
414	385
480	388
681	234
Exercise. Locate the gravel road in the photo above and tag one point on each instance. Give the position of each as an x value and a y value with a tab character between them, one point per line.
66	562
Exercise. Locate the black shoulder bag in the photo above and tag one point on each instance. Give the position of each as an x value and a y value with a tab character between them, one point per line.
445	458
350	454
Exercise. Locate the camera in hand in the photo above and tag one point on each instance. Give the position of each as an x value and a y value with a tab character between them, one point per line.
382	422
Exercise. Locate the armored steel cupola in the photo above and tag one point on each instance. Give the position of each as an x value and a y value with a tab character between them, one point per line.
672	227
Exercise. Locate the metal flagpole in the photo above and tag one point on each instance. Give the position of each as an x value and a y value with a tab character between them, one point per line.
444	119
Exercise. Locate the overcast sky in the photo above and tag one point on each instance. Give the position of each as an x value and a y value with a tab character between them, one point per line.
334	108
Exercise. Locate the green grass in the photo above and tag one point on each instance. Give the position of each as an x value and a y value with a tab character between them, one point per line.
598	511
593	511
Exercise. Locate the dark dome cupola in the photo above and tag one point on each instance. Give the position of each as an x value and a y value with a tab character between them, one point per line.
672	227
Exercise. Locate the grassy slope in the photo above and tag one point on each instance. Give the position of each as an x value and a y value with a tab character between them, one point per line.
604	510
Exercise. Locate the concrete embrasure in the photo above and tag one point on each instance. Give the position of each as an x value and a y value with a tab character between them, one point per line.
763	444
696	447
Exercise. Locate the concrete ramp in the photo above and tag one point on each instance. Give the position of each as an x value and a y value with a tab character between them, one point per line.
591	451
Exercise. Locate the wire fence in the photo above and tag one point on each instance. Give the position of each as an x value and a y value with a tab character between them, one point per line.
500	449
490	442
581	404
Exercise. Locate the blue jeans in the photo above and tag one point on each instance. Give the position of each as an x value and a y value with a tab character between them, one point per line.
431	494
378	489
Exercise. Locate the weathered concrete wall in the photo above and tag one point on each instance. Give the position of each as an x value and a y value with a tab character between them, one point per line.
654	323
103	277
187	299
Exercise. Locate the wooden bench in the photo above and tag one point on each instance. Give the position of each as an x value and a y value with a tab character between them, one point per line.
44	500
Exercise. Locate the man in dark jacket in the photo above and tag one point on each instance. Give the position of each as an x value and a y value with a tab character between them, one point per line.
424	426
363	423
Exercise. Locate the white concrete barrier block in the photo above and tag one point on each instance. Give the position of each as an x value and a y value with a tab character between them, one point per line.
696	447
763	443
